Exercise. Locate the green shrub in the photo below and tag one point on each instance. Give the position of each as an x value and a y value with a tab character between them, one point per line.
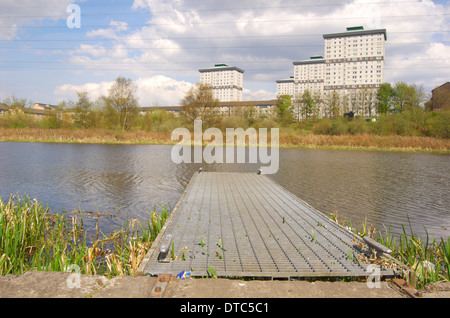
403	126
233	122
339	126
322	127
357	126
438	125
17	119
266	123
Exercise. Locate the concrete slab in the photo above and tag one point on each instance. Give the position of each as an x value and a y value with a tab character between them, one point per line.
50	285
224	288
61	285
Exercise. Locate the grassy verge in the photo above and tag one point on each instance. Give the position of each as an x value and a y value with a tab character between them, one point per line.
429	258
34	239
287	139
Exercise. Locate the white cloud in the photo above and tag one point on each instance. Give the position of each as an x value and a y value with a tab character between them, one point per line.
94	90
111	32
234	35
161	90
156	90
429	67
258	95
16	14
263	37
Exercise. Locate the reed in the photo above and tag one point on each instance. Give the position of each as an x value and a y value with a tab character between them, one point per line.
34	239
428	257
288	138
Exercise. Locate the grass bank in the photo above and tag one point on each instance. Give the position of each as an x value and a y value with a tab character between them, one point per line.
34	239
288	139
428	258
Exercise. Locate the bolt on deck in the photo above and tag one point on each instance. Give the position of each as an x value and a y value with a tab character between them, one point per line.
246	225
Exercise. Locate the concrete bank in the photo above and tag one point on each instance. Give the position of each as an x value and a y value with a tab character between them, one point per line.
66	285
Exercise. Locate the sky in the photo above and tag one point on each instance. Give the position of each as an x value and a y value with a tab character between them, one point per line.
49	49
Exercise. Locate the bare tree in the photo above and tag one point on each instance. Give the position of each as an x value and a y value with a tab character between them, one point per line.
14	102
318	110
332	104
308	104
199	103
122	98
82	109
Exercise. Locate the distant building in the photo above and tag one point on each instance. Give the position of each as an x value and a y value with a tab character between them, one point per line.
226	81
309	75
352	66
3	109
261	109
440	99
354	59
41	106
251	109
171	109
286	87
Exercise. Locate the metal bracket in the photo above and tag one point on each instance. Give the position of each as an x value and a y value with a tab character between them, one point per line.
164	251
407	288
377	246
160	286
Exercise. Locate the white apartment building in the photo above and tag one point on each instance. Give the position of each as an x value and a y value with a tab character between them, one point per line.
308	75
286	87
353	62
354	59
226	81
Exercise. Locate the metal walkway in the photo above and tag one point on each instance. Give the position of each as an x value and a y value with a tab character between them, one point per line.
246	225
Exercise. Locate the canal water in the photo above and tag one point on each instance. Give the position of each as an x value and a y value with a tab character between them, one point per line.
129	181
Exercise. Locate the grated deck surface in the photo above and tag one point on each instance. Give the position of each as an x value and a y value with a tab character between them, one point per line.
246	225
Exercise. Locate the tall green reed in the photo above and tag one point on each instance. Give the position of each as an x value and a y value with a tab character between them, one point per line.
427	257
31	238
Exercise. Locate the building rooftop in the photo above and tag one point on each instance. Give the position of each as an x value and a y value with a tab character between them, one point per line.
352	31
286	80
312	60
445	85
221	67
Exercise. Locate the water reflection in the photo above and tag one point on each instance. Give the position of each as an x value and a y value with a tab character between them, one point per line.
130	180
386	188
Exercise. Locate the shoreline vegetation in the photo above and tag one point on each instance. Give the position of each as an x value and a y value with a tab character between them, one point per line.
35	239
396	118
287	139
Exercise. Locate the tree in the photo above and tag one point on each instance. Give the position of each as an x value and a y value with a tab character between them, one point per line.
121	99
318	104
14	102
82	110
285	109
308	104
199	103
345	103
401	91
332	105
360	102
365	102
415	97
385	95
371	102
